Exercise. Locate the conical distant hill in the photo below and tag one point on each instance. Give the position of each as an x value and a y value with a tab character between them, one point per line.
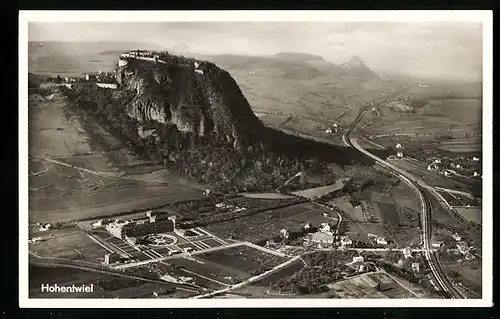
356	68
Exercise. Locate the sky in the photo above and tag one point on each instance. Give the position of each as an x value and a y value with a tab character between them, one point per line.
427	49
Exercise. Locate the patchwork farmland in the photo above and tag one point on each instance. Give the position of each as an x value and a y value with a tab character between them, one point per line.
365	287
83	177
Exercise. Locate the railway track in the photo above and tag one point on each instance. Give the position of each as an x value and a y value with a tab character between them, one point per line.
445	287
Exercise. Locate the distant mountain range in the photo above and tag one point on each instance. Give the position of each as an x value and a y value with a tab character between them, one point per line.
72	57
47	48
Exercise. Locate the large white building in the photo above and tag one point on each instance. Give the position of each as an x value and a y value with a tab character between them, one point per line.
322	238
115	228
357	259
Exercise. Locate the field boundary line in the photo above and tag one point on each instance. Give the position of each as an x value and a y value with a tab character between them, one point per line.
266	250
399	282
204	277
213	236
373	143
249	280
453	211
97	241
364	231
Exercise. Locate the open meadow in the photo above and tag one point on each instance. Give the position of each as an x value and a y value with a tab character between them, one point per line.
243	258
75	171
467	276
75	246
365	287
473	214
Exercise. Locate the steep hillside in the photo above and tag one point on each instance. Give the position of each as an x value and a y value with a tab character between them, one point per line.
34	80
203	100
192	116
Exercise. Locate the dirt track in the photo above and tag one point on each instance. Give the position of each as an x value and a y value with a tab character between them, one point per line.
71	191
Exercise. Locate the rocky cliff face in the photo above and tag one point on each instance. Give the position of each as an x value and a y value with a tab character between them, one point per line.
192	95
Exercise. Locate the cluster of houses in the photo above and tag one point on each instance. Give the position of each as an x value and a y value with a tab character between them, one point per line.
101	76
382	241
334	129
44	227
463	247
35	240
325	237
437	165
101	79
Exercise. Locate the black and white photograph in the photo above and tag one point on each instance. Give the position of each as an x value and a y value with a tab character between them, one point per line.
322	158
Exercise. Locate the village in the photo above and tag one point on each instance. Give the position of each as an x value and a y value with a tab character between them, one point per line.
459	165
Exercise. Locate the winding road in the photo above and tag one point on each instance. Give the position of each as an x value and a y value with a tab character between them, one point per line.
422	190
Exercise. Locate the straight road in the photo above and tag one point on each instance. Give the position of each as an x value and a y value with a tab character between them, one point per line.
249	280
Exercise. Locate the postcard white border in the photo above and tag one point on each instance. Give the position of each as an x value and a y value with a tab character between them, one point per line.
486	17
